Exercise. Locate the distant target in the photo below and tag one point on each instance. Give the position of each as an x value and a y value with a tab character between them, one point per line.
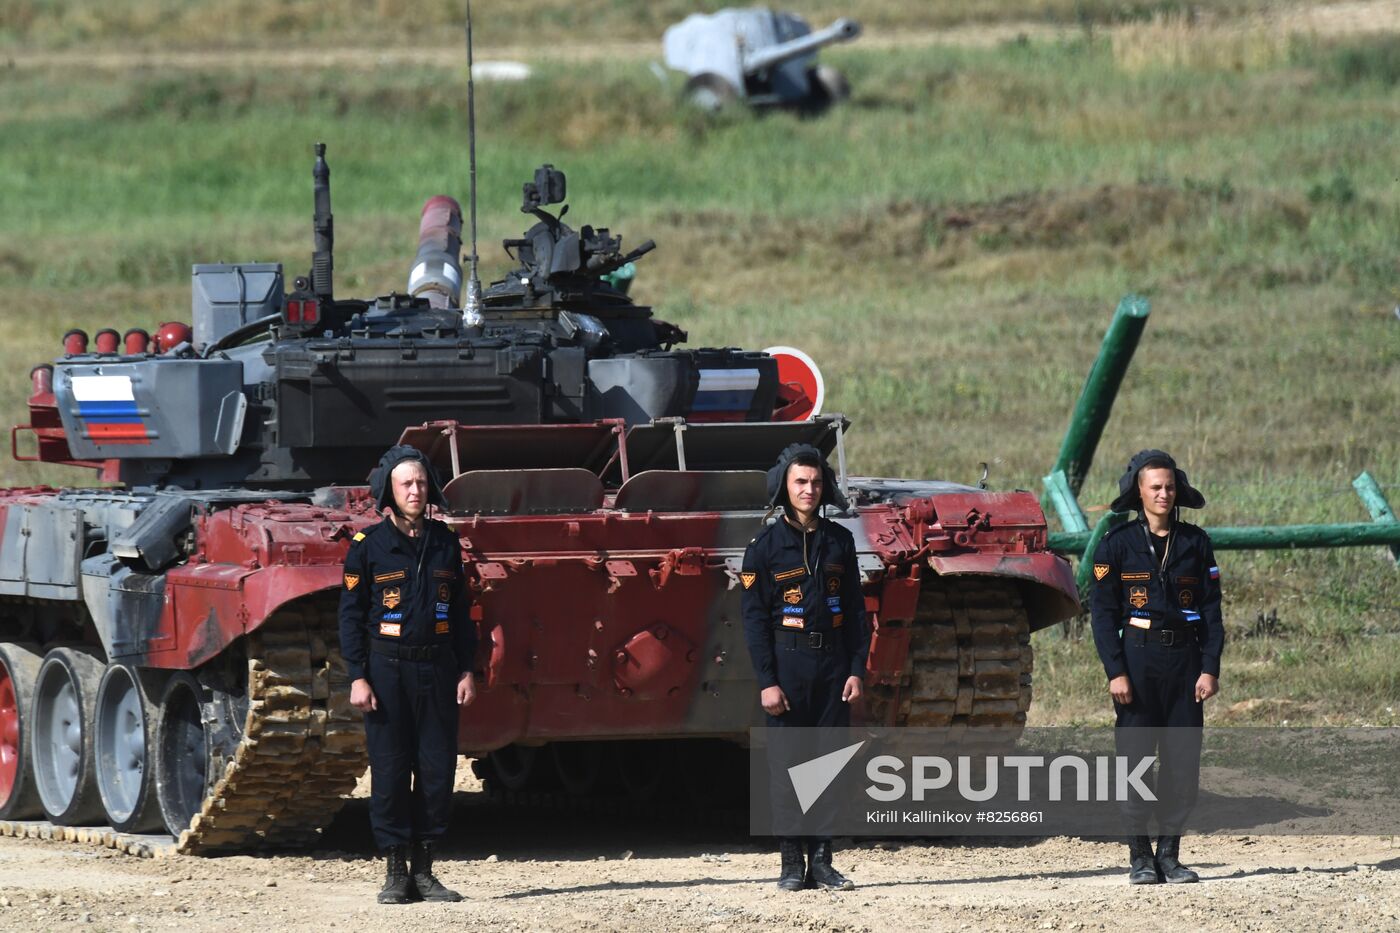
801	389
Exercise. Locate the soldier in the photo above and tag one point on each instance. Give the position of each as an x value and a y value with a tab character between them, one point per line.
804	623
409	644
1158	629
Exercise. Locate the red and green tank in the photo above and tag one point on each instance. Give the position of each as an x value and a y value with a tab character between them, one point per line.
168	648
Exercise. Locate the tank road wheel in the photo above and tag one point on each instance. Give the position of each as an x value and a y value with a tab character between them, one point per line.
19	667
126	719
709	92
181	754
61	742
641	768
518	768
577	765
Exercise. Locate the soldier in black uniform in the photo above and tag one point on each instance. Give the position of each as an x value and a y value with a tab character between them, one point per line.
1159	633
804	623
409	644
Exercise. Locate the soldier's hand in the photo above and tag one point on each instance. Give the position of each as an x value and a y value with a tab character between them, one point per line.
362	696
1121	690
774	701
466	689
853	690
1207	686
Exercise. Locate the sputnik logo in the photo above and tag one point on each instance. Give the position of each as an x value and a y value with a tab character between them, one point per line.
811	778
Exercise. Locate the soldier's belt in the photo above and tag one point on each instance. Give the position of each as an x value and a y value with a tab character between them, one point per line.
407	652
1178	637
817	641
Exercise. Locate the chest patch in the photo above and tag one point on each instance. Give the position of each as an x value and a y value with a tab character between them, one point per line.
392	597
1138	596
793	574
390	577
443	574
833	586
1137	576
392	629
792	595
444	592
1187	598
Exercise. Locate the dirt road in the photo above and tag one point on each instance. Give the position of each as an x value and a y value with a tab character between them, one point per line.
534	871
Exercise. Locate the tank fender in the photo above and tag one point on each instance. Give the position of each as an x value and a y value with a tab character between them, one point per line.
1050	592
208	606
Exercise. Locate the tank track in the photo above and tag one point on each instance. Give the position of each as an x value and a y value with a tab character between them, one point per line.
301	747
970	660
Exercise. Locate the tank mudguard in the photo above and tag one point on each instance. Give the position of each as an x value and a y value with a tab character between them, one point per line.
1051	595
248	561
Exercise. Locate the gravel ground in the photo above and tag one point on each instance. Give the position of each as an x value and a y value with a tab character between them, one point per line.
525	870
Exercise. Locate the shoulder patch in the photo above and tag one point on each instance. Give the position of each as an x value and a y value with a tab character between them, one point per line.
1101	571
359	536
352	580
748	579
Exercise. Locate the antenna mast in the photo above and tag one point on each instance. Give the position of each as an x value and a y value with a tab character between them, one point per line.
471	309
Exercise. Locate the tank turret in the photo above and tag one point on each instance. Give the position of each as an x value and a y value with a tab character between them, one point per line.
298	388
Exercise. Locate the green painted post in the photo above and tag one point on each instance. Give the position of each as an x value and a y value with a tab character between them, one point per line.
1370	492
1066	505
1096	398
1267	538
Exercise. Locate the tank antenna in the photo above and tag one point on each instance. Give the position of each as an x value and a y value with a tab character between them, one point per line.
471	308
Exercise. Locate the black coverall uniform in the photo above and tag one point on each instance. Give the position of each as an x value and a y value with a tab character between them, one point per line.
1156	618
405	626
804	621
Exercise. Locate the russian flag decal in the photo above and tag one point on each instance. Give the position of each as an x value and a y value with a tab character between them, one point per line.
108	407
1215	573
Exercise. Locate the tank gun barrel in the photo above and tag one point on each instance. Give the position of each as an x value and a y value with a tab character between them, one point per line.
437	267
323	227
843	30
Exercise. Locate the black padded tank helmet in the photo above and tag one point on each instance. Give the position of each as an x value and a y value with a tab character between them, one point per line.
777	477
1187	496
383	490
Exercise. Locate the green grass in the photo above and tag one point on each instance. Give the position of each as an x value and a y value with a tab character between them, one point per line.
949	245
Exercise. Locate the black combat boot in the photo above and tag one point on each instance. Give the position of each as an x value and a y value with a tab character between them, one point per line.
794	876
1144	867
820	870
397	887
1168	848
427	885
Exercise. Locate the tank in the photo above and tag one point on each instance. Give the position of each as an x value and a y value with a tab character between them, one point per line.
168	649
761	57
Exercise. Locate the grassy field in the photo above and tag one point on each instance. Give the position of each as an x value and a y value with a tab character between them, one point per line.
206	24
949	245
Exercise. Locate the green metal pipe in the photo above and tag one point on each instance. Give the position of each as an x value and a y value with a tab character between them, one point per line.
1065	504
1265	538
1083	577
1096	399
1370	492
